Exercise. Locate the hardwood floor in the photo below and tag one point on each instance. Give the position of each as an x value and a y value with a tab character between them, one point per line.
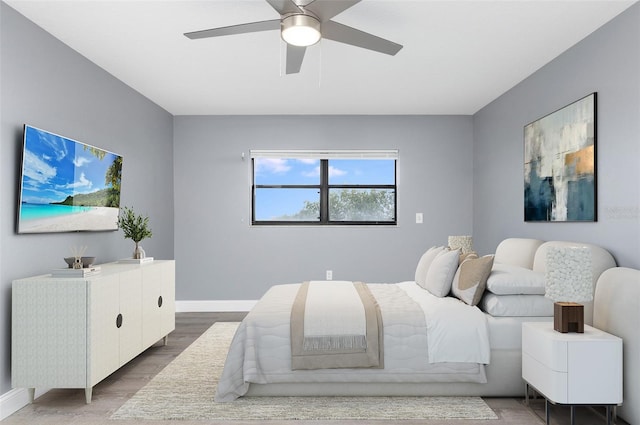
60	406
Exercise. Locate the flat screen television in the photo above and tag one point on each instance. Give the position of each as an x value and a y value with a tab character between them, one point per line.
66	185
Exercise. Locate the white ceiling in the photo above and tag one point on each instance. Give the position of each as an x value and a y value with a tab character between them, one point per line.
458	56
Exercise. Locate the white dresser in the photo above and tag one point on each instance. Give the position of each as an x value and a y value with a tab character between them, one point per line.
74	332
573	368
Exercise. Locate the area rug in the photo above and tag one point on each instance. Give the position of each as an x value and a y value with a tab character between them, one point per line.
184	390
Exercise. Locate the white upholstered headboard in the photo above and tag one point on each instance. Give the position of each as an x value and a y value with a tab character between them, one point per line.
617	311
601	259
517	251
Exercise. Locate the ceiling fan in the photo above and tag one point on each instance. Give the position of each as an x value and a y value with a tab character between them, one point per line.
302	25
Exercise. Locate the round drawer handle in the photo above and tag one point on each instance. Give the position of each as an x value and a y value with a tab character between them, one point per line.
160	301
119	321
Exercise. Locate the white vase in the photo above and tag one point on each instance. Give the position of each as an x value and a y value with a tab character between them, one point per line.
138	252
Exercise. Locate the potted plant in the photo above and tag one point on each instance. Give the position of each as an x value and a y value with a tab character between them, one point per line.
134	227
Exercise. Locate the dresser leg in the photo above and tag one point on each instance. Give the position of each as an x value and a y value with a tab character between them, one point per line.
573	414
166	339
547	411
87	394
612	414
32	394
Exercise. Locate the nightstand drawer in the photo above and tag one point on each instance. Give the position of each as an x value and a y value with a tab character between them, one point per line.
541	344
551	383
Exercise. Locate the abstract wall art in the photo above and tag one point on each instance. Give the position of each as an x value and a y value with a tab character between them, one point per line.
560	164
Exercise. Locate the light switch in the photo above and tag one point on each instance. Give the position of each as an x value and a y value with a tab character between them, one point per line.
419	218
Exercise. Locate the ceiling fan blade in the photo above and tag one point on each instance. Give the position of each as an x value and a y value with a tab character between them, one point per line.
284	6
327	9
343	34
295	55
273	24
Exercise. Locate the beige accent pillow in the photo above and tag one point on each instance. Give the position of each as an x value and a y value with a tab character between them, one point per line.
470	280
424	263
464	256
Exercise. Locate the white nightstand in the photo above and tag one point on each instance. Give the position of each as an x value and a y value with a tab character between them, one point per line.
572	368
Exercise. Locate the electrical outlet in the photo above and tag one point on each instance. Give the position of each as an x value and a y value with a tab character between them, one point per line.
419	218
329	275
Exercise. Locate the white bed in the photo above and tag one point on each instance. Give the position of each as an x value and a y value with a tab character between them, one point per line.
261	350
485	362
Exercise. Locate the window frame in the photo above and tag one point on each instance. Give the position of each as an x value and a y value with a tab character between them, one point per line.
324	188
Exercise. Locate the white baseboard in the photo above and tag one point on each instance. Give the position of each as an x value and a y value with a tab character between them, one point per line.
214	306
16	399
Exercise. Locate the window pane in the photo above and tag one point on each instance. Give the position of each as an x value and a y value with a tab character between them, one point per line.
287	204
362	171
286	171
361	205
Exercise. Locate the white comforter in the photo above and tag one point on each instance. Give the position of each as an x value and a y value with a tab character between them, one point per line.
426	339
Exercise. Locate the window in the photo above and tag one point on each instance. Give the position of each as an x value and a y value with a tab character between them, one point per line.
329	187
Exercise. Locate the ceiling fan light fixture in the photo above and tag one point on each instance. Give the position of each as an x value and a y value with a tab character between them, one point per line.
300	30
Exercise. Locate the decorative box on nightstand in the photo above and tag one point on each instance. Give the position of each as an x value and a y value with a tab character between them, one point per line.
573	368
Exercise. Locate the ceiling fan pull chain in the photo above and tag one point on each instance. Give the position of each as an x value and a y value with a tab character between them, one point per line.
280	55
320	65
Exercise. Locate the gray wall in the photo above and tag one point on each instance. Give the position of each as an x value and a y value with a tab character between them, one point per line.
48	85
607	62
219	256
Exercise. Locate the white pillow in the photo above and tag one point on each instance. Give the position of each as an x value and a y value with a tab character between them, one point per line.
441	272
425	262
506	279
517	305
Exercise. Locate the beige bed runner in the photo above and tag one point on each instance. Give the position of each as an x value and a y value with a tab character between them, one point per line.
343	327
